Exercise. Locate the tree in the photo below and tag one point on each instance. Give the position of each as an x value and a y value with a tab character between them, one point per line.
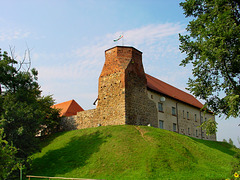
230	141
23	110
7	157
212	46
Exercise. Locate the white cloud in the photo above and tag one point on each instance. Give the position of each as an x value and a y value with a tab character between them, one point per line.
151	33
13	34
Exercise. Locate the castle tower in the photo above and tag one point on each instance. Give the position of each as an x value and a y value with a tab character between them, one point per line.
122	91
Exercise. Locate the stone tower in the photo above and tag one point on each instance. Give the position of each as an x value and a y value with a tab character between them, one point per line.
122	93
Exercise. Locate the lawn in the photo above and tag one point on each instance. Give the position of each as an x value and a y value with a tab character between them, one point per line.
132	152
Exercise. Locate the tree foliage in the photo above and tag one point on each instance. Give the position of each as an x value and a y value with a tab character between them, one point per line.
224	140
230	141
7	157
23	110
212	46
210	126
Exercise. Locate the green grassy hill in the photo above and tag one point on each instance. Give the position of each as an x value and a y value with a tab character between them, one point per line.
132	152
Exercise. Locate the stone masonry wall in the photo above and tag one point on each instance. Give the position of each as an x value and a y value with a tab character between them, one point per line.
111	99
140	110
69	123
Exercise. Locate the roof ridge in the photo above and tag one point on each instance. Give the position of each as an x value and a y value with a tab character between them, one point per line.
171	91
71	101
64	102
171	85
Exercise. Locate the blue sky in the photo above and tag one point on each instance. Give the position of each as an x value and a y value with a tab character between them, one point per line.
67	39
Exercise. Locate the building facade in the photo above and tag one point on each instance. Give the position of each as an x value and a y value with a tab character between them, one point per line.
126	95
180	117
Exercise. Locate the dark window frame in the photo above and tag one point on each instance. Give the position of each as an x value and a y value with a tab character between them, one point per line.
160	109
174	111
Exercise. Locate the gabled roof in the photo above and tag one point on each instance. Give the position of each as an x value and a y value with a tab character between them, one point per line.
168	90
68	108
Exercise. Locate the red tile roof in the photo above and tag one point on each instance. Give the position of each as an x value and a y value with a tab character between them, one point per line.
68	108
168	90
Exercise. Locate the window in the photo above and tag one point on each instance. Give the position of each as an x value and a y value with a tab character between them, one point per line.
187	115
174	111
183	114
188	131
151	96
205	119
195	117
201	119
160	107
160	124
174	127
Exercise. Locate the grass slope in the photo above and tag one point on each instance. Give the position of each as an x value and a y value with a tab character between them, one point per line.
132	152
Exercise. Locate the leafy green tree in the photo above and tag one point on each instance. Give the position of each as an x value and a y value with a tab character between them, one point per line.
212	46
224	140
230	141
23	111
210	126
7	157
